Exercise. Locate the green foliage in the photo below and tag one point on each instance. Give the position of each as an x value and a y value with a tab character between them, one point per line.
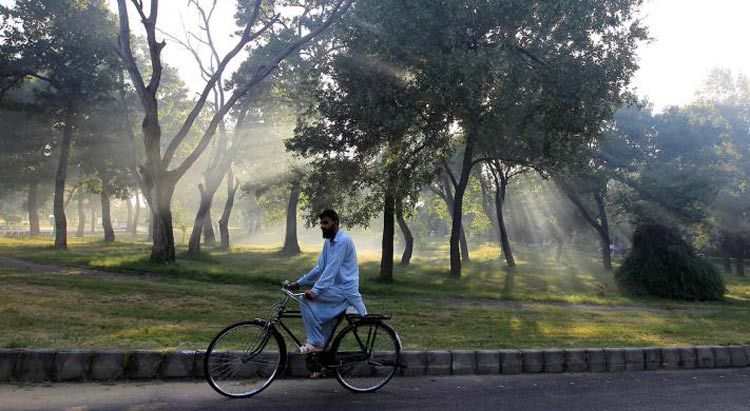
662	264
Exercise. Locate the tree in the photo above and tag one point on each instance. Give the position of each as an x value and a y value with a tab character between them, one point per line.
500	174
67	45
157	176
469	58
370	139
724	101
26	146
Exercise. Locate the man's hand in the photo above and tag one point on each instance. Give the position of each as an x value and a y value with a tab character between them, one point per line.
309	295
293	286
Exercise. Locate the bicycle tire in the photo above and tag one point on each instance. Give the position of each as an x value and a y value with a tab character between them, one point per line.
244	358
366	370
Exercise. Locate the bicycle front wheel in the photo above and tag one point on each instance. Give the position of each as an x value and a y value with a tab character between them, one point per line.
244	358
366	355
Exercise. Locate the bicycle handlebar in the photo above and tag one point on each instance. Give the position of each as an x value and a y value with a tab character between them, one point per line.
289	293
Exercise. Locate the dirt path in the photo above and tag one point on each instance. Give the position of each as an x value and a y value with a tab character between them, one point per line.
534	305
17	264
24	265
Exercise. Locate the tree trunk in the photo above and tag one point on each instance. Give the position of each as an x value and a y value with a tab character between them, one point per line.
136	216
93	215
464	245
129	221
81	231
458	202
487	201
61	224
408	237
450	203
740	262
209	236
109	232
386	257
603	232
602	226
232	187
291	245
558	252
32	205
727	264
194	246
504	241
162	249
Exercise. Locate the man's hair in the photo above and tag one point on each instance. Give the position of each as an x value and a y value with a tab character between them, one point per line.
330	214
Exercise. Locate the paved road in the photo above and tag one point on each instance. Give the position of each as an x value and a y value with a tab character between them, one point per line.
656	390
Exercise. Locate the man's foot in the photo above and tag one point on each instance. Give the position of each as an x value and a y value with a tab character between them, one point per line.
308	349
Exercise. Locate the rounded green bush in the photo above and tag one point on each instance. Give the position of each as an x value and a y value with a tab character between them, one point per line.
662	264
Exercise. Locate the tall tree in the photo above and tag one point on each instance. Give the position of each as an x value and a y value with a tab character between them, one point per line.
724	100
469	58
67	44
159	179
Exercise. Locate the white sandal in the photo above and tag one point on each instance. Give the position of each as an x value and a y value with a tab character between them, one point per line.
308	349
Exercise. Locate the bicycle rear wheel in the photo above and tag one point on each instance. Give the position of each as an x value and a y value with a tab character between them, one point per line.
366	356
244	358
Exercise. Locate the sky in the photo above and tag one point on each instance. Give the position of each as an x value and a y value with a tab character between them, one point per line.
690	38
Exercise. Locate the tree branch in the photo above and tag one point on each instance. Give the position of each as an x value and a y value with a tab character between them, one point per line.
263	71
246	37
125	52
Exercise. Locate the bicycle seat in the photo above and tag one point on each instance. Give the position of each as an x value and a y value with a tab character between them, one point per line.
351	311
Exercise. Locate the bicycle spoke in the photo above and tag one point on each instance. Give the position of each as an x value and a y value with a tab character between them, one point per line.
243	359
366	361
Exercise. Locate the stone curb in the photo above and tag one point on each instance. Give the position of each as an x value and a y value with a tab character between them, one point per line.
35	365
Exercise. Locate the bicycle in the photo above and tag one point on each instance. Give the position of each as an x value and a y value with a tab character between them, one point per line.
244	358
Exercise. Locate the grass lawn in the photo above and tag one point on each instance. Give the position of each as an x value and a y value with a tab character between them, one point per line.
181	306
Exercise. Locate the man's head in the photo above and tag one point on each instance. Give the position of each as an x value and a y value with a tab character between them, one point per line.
329	223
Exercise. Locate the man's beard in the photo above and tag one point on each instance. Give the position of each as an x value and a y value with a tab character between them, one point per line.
328	234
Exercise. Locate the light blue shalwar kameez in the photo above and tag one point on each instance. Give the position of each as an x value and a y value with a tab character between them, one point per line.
335	280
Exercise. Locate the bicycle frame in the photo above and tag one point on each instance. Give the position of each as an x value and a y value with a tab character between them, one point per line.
282	312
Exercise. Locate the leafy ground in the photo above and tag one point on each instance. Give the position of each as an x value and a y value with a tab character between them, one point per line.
108	296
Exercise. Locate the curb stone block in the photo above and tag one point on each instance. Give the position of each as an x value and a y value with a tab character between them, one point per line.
615	359
554	361
177	364
652	358
108	365
72	365
463	362
597	360
670	358
688	358
721	357
532	361
413	363
737	356
8	360
35	365
488	362
198	365
510	361
575	360
143	364
705	357
634	359
437	362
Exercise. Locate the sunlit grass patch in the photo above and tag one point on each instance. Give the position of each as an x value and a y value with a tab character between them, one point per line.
182	305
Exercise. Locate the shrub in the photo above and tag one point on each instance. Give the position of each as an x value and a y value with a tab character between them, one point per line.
662	264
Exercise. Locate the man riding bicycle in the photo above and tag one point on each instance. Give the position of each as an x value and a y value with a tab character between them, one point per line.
335	284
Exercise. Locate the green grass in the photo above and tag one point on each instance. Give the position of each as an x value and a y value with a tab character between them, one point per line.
182	305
